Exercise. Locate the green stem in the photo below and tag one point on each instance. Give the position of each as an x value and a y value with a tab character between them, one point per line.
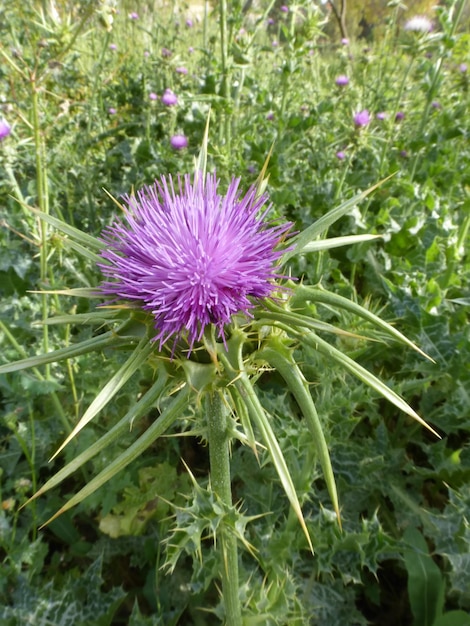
225	85
43	203
219	453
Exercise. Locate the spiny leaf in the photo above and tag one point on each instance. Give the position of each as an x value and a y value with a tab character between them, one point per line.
323	223
171	413
144	404
282	360
106	340
303	294
133	363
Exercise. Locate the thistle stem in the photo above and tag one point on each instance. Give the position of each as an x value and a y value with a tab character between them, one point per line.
219	454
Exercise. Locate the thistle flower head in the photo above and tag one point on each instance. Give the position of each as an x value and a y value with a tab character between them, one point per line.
419	24
192	256
5	129
362	118
342	80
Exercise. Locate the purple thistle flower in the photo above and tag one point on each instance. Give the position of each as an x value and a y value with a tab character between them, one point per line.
189	23
181	70
284	8
341	155
166	53
169	98
381	115
5	129
133	16
112	111
362	118
345	41
112	46
463	68
178	142
153	96
399	116
342	80
191	256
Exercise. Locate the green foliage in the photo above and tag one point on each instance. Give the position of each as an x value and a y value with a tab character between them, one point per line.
402	553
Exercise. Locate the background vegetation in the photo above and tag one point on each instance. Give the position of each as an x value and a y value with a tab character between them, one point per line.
81	86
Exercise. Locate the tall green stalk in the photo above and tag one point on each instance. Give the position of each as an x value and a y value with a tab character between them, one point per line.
225	82
219	454
42	193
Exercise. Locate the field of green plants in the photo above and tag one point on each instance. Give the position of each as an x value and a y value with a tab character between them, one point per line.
303	458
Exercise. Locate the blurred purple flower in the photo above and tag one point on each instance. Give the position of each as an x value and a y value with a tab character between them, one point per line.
403	154
153	96
340	155
166	53
362	118
463	68
181	70
271	21
419	24
133	16
435	104
381	115
345	41
178	142
190	49
399	116
112	111
270	116
169	98
146	53
5	129
191	256
112	46
284	8
189	23
342	80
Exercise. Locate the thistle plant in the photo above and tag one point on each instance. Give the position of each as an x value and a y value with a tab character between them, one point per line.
197	286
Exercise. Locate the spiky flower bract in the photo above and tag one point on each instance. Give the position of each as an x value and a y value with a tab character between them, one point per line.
192	256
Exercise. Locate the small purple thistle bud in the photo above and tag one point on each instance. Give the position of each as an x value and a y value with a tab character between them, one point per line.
362	118
435	104
153	96
166	53
189	23
178	142
285	8
270	116
463	68
399	116
5	129
342	80
381	116
181	70
112	46
169	99
345	41
133	16
112	111
340	155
